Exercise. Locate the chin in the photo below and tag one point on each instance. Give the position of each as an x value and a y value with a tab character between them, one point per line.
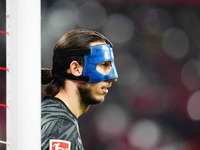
88	97
101	99
93	101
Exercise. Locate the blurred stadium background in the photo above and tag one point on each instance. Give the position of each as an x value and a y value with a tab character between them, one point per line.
155	105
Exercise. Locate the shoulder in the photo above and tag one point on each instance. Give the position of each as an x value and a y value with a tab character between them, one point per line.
60	129
64	128
58	123
53	108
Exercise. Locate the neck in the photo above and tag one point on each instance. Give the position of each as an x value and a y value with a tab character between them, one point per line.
69	95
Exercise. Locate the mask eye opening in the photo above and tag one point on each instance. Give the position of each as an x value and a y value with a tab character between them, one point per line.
104	67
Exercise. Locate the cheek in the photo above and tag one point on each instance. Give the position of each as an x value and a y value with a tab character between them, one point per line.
99	69
95	89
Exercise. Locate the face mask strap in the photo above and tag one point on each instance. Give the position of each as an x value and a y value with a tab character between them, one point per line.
78	78
72	52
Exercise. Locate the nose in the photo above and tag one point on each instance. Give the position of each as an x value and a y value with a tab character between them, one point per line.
112	80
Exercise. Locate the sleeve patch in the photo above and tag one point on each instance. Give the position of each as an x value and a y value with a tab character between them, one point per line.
59	145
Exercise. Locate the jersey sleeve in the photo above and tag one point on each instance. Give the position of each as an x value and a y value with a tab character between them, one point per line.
59	129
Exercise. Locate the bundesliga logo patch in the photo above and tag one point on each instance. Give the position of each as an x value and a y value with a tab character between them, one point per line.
59	145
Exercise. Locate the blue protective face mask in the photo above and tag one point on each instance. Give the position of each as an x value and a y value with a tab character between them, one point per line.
99	54
92	57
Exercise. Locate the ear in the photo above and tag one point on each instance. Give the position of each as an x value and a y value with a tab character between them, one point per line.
75	68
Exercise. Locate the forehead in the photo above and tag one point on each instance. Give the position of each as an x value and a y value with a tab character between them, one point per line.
96	43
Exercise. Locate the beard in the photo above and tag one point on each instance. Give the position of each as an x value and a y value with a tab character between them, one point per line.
85	92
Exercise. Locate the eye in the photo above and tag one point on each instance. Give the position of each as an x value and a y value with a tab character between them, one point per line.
106	64
104	67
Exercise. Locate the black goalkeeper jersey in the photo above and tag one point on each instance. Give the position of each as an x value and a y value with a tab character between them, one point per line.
58	125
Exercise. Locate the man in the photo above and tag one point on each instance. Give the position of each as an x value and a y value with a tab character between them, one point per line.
83	70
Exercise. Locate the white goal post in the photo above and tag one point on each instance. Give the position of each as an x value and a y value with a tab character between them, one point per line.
23	47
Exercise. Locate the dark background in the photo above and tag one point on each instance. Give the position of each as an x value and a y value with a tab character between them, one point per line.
155	105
